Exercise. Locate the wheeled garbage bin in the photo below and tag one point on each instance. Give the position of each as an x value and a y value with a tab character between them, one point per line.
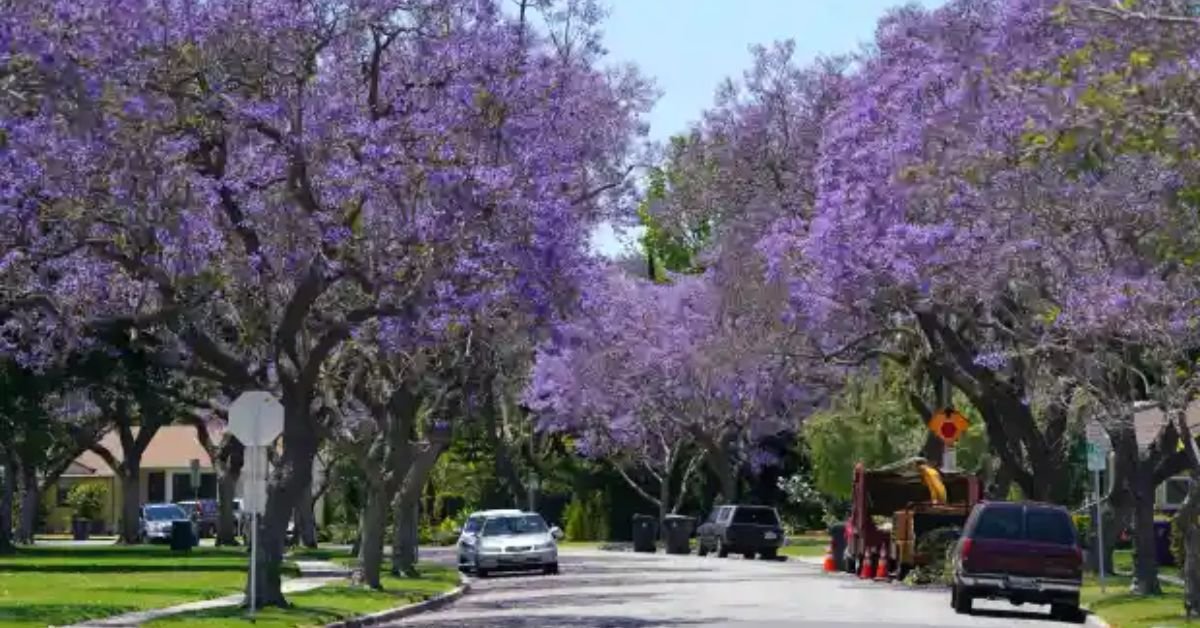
677	533
837	545
645	532
183	537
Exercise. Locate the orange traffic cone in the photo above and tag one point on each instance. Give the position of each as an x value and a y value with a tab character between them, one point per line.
829	566
868	569
881	570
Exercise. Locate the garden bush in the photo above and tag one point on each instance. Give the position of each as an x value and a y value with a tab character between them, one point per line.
87	500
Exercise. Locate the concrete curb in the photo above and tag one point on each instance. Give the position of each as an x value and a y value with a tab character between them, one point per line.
432	604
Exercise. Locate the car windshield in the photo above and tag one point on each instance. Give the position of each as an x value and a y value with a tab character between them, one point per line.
473	524
1002	523
1049	526
508	526
755	516
164	513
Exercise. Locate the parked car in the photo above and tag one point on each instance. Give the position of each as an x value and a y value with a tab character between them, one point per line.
509	541
741	529
474	522
156	521
1021	552
204	512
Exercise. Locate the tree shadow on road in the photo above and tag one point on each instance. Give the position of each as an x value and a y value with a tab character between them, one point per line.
554	621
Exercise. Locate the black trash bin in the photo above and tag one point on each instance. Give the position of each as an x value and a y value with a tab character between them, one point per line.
183	537
837	545
645	532
1162	543
677	534
81	529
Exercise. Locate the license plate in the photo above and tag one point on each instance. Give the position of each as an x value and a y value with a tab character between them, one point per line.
770	536
1022	583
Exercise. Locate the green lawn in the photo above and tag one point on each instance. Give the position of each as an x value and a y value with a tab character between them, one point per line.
328	604
42	586
1122	609
807	544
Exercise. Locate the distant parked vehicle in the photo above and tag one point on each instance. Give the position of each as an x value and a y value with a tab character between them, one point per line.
156	521
1021	552
509	541
205	513
474	522
741	529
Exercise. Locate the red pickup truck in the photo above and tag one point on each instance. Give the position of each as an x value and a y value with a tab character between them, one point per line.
1021	552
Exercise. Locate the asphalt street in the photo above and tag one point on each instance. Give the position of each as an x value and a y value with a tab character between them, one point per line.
624	590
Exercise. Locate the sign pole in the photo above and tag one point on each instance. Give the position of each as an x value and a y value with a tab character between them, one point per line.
949	458
253	530
1099	527
256	420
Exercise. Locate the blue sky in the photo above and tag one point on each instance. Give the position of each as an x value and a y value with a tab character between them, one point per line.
689	46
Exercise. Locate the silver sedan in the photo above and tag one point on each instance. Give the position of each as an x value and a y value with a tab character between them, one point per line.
510	542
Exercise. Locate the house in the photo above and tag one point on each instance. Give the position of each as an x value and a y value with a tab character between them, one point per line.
165	476
1148	420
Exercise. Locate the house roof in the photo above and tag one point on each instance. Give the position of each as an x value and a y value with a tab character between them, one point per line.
1149	419
173	447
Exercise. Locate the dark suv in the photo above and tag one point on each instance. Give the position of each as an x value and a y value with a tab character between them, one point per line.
1021	552
745	530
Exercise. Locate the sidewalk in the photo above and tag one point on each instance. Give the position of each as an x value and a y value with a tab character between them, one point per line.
314	574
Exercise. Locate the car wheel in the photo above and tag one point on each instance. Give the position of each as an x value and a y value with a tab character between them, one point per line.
551	569
722	551
701	549
962	601
769	554
748	555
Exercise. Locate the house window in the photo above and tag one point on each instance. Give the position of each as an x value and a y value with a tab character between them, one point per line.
181	487
63	490
1176	491
156	487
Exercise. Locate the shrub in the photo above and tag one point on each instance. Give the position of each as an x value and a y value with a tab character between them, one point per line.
87	500
587	518
339	533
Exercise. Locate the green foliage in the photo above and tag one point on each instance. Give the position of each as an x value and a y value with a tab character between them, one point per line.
338	533
937	545
587	518
873	422
87	499
670	248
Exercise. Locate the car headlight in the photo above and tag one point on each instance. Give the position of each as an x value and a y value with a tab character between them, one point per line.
545	546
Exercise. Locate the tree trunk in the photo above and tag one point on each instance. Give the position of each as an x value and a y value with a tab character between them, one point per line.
306	520
131	502
408	521
7	490
1138	481
31	497
727	477
227	523
1145	563
1188	521
293	471
664	502
407	503
371	531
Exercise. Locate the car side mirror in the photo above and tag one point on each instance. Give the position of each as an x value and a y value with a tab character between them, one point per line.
556	532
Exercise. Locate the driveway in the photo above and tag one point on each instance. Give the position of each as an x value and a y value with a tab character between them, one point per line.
624	590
